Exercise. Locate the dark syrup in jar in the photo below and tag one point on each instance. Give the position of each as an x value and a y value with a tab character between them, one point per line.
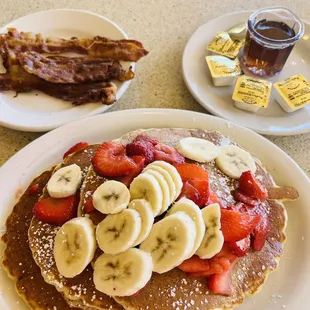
263	57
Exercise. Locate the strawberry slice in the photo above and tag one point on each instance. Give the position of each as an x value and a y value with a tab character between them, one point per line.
143	146
240	248
56	211
192	172
127	179
89	206
260	232
202	186
77	147
240	196
168	154
147	139
213	198
236	225
110	160
250	186
33	189
195	264
216	269
221	283
190	192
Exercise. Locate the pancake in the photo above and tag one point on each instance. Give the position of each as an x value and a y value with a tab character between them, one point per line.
17	259
81	288
174	289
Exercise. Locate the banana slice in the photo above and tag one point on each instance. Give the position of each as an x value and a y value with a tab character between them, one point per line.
164	189
169	180
145	186
213	239
197	149
144	208
233	161
122	274
65	181
118	232
173	173
170	242
74	246
111	197
193	211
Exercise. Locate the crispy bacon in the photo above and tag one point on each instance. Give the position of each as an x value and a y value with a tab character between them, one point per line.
126	50
59	69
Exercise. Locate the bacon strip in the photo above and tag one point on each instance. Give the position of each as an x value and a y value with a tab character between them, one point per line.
66	70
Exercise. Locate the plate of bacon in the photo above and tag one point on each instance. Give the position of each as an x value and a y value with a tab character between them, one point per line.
58	66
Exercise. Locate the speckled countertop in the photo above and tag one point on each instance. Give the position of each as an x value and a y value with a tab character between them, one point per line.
164	26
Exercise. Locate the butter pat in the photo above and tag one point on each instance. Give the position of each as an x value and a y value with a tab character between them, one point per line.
223	70
238	32
251	94
224	45
293	93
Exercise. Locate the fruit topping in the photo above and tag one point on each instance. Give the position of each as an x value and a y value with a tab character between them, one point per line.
192	172
195	264
142	148
213	198
56	211
236	225
89	205
168	154
242	197
110	160
75	148
260	232
221	283
240	248
33	189
146	139
250	186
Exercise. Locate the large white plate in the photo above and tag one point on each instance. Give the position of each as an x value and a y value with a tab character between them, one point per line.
29	112
217	100
289	286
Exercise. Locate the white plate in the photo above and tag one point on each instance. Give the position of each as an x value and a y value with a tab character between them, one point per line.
29	112
217	100
289	286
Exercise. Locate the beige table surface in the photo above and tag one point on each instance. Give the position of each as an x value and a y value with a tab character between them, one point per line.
164	26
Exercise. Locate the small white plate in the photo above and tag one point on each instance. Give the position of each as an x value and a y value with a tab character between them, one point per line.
28	112
218	100
289	286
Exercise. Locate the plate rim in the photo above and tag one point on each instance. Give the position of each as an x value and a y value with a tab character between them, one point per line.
209	107
123	88
196	119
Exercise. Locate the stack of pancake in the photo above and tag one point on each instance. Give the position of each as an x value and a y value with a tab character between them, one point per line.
29	258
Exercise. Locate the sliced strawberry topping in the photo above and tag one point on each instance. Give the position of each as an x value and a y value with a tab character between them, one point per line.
250	186
221	283
168	154
110	160
127	179
145	149
143	138
240	196
56	211
203	188
213	198
33	189
89	206
192	172
236	225
190	192
77	147
240	248
259	234
195	264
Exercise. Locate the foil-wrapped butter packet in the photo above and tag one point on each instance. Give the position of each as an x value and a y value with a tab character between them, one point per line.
238	31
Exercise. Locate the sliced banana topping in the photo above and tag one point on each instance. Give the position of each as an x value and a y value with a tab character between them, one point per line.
65	181
122	274
213	239
144	208
170	242
233	161
74	246
164	189
169	180
197	149
193	211
118	232
111	197
145	186
173	173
